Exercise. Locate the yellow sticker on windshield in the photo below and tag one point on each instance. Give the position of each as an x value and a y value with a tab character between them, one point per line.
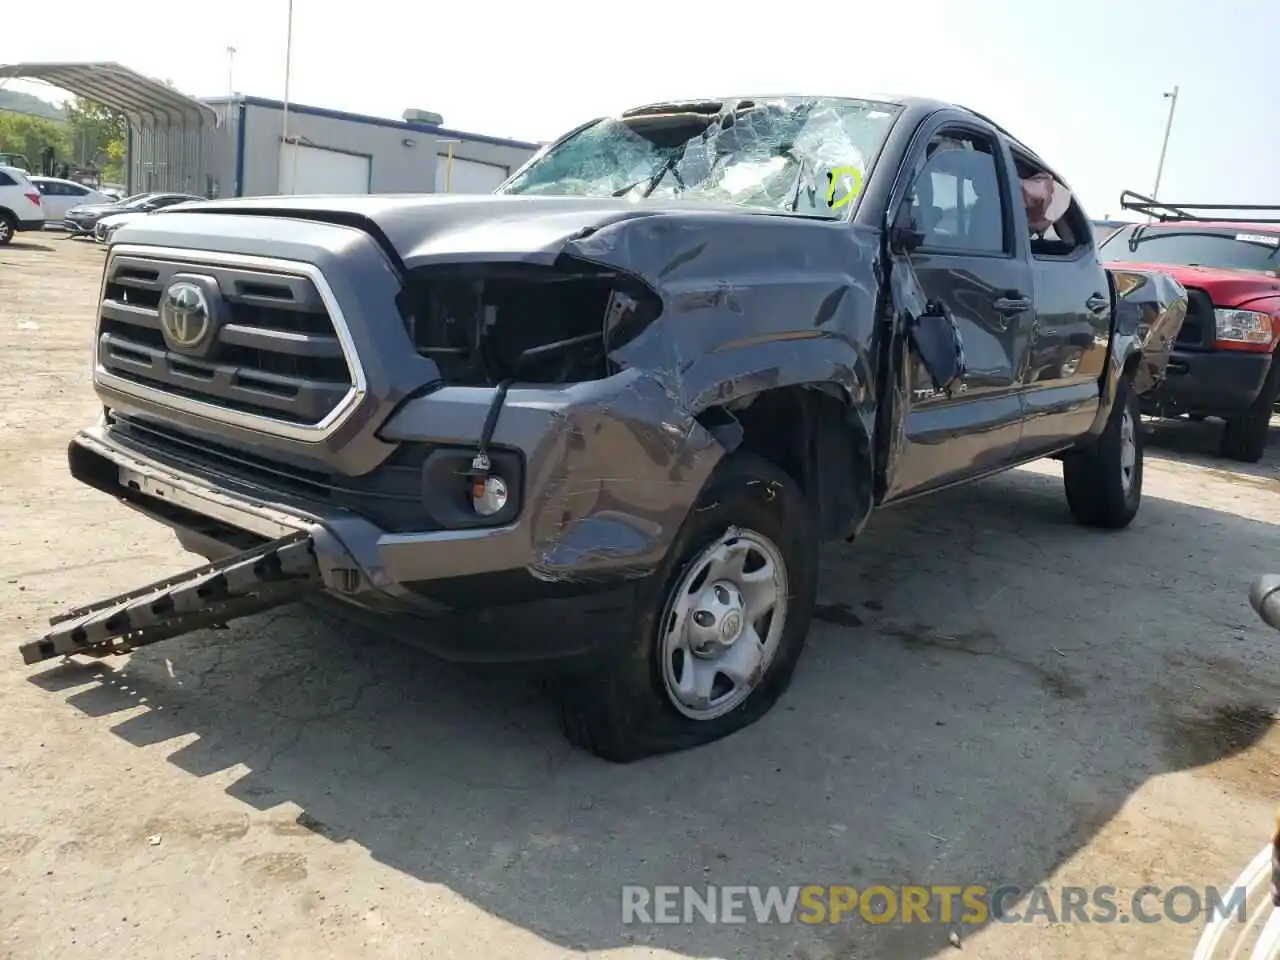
837	175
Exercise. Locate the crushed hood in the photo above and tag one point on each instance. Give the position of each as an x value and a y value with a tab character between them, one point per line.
1227	288
429	229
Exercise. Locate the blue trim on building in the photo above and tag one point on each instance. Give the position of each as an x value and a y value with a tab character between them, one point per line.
324	112
240	124
484	138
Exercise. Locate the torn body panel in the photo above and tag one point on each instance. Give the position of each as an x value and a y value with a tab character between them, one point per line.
1149	309
742	308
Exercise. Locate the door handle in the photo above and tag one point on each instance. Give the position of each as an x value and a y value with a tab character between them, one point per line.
1097	303
1012	304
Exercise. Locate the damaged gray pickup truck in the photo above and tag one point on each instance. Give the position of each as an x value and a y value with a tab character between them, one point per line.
604	418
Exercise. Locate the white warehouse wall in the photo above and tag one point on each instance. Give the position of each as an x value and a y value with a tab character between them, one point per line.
394	166
241	155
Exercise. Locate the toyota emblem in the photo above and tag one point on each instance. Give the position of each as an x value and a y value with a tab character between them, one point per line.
185	316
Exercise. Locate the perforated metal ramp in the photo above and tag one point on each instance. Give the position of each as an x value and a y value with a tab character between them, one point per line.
249	582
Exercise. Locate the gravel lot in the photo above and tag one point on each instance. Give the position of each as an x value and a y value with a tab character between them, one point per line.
993	694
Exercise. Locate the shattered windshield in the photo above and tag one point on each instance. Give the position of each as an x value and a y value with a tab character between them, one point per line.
806	155
1227	248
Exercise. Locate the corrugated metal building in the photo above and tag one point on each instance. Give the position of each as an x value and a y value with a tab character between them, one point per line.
330	151
173	158
172	144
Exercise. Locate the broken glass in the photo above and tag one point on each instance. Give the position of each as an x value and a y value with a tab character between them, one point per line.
807	155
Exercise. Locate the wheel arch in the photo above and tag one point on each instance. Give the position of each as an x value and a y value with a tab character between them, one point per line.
815	433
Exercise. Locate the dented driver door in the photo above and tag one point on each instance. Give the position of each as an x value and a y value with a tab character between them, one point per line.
967	261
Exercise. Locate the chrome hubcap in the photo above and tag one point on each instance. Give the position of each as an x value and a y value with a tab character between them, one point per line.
722	624
1128	450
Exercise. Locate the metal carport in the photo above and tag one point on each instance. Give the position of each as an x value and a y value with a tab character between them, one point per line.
169	132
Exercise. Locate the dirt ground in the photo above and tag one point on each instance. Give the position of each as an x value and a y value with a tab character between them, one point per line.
992	695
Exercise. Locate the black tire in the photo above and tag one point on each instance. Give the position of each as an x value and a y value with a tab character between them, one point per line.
1095	482
8	228
621	710
1244	438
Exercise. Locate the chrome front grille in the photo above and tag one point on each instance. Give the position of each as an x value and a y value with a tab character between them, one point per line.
277	356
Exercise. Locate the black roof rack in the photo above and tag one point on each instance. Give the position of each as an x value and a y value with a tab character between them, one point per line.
1183	211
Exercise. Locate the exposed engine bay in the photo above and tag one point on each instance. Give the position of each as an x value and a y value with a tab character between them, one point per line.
490	323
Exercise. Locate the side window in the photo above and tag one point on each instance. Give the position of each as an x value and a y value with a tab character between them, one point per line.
6	180
1057	224
75	191
957	201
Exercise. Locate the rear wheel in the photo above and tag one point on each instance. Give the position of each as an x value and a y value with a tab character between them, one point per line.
1245	438
1104	481
8	227
718	630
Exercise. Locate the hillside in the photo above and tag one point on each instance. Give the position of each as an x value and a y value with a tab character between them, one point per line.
32	106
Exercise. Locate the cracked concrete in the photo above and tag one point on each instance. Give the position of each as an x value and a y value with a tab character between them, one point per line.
990	694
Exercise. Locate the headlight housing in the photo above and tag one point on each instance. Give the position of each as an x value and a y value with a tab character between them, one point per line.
1243	329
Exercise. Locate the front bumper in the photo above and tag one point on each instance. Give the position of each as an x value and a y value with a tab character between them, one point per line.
80	228
1218	384
453	592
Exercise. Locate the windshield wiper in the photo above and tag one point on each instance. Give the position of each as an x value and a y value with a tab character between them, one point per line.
803	165
651	184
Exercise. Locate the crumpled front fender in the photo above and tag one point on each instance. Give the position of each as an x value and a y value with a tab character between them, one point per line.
1150	307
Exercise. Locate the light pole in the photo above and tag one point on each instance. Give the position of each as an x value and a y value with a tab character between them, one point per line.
231	71
1172	97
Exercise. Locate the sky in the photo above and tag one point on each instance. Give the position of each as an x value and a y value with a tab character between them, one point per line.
1080	82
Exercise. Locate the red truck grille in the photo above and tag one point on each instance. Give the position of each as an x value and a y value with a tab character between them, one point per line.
1199	328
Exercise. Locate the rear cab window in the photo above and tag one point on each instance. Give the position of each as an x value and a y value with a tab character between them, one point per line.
1056	223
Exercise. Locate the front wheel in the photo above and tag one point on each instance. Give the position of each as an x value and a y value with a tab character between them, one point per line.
1244	438
1104	481
719	628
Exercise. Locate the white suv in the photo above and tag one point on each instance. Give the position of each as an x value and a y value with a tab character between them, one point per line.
20	207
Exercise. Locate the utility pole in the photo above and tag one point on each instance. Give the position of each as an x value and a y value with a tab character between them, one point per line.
1172	97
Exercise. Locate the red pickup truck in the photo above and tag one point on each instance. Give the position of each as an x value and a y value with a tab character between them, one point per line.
1224	361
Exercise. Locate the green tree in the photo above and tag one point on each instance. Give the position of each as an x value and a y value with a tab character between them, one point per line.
29	136
98	136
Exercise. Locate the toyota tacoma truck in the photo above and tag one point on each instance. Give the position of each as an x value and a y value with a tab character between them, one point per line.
1224	363
603	418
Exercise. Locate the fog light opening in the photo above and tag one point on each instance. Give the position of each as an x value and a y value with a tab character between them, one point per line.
488	495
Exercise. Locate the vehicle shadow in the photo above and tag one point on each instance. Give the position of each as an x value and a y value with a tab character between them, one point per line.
29	245
1197	444
985	687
